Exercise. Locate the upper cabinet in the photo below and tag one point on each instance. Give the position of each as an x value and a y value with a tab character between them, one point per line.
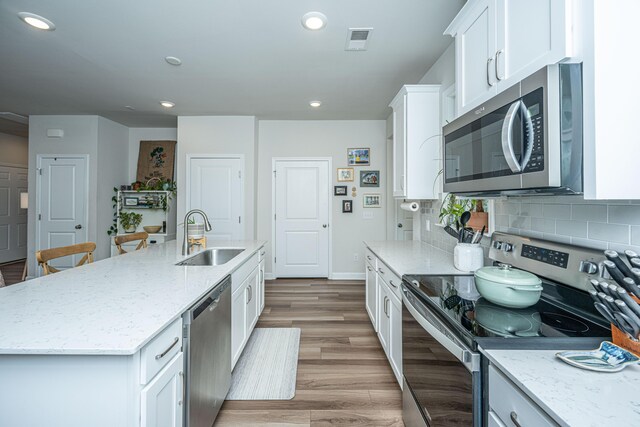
416	142
498	42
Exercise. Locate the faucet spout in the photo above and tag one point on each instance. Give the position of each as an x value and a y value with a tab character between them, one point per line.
186	248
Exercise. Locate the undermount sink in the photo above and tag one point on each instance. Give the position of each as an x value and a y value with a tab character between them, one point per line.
212	257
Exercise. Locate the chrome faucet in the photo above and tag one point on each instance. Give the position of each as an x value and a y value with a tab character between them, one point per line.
186	248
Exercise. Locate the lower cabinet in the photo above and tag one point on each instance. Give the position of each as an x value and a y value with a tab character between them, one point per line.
246	305
261	287
372	295
162	400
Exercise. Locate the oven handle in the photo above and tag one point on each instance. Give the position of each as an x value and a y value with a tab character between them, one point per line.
507	140
468	358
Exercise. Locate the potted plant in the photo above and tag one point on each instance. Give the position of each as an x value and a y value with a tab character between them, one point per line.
130	221
452	208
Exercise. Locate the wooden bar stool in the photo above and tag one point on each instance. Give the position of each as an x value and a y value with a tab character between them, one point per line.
44	256
120	240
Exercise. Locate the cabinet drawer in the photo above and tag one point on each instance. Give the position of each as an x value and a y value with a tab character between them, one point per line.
371	258
160	350
390	278
509	403
239	276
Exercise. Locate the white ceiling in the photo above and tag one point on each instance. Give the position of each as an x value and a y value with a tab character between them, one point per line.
240	57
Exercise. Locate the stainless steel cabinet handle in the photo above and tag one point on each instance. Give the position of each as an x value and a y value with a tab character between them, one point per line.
384	305
391	283
183	388
164	353
369	258
369	268
498	53
381	271
489	61
249	294
514	418
387	306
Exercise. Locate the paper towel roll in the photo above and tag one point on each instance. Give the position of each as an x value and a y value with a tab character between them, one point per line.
410	206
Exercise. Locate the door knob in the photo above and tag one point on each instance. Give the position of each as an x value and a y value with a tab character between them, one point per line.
79	227
324	225
399	225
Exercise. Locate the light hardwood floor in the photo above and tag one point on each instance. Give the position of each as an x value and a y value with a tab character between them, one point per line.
344	378
12	272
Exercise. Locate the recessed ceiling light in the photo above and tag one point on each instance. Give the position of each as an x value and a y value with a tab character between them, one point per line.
314	21
315	104
173	60
167	104
37	21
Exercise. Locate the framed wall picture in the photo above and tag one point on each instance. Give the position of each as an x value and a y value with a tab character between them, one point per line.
130	201
369	178
347	206
371	200
340	190
358	156
345	174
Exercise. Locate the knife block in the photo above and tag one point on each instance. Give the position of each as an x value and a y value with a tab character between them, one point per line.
621	339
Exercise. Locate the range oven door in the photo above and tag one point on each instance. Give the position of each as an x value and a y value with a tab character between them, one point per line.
442	375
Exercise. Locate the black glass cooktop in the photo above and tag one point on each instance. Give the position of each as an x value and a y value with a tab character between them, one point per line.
561	312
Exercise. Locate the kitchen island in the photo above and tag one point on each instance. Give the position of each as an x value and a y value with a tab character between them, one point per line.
75	346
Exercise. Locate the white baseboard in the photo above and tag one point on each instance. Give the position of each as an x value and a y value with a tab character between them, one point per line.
348	276
269	276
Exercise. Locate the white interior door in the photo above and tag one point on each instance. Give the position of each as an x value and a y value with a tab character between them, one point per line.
13	220
301	218
62	205
216	185
404	223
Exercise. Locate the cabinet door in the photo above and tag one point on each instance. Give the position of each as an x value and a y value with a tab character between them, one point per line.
251	301
261	288
475	51
399	147
163	398
238	323
520	53
383	316
395	336
372	293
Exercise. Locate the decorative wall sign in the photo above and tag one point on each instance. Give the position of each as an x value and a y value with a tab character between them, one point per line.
340	190
371	200
345	174
358	156
347	206
369	178
156	160
131	201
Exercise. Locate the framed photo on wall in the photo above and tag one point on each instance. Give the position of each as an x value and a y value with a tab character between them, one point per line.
358	156
347	206
340	190
345	174
369	178
130	201
371	200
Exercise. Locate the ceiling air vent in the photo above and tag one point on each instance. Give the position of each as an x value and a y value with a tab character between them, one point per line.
357	38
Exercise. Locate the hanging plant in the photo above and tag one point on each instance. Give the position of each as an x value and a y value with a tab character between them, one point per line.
113	230
130	221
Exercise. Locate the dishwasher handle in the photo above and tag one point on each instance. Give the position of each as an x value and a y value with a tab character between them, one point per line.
210	301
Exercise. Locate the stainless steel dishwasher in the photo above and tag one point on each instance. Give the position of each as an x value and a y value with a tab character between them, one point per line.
207	346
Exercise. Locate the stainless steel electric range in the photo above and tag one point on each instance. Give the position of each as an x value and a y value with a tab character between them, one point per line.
445	320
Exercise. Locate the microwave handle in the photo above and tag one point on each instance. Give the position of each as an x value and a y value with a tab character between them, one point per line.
507	140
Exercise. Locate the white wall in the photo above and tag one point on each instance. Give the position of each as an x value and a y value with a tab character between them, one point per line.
113	165
327	138
145	134
218	135
14	150
442	72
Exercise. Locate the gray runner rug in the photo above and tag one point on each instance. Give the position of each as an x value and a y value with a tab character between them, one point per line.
268	366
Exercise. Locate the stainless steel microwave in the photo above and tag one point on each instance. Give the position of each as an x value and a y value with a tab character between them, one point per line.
527	139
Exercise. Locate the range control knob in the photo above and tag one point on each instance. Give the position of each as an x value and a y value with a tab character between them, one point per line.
497	244
588	267
507	247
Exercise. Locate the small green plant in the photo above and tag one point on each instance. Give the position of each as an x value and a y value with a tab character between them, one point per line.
130	220
452	208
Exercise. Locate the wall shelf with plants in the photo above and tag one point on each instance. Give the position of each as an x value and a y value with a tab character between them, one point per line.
482	213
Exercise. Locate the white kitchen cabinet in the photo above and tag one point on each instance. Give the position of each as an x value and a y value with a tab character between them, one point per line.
394	352
162	400
499	42
261	283
252	300
416	142
238	324
384	320
372	294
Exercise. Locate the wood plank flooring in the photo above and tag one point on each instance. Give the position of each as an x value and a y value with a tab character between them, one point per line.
12	272
343	379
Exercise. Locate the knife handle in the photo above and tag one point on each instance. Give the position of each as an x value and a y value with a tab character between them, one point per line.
630	314
631	286
614	257
635	262
624	296
630	255
614	272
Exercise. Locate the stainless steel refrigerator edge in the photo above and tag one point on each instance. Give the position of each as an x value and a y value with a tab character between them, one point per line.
207	347
558	124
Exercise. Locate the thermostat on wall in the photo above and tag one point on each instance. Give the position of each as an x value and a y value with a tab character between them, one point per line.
55	133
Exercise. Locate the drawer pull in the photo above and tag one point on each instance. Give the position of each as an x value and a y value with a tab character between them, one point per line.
514	418
184	391
381	271
391	283
164	353
369	258
368	268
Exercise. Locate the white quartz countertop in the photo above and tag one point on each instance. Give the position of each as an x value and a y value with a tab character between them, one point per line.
113	306
572	396
413	257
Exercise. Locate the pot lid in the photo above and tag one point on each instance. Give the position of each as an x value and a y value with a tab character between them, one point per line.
505	275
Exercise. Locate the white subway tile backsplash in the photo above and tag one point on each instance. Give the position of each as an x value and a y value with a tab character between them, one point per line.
614	233
589	213
543	225
624	214
557	211
556	238
571	228
520	222
593	244
635	235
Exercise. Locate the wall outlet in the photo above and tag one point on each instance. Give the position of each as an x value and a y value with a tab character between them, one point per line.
356	257
427	225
